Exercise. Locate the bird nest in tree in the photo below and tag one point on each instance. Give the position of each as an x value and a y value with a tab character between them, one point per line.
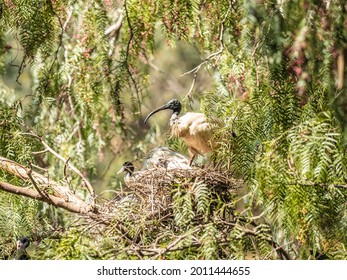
154	190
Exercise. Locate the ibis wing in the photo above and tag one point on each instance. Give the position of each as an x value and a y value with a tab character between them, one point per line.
196	131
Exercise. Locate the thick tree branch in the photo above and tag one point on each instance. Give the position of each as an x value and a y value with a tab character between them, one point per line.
50	199
60	192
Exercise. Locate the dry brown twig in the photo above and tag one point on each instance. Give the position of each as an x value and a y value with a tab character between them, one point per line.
154	186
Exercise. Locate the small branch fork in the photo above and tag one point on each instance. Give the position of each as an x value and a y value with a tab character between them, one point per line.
206	60
86	182
131	37
59	195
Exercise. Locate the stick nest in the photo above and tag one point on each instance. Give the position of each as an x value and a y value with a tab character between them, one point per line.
153	189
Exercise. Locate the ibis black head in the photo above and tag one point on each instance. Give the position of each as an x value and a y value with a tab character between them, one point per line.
173	105
127	167
23	242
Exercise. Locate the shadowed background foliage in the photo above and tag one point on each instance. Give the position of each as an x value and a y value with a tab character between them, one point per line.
84	74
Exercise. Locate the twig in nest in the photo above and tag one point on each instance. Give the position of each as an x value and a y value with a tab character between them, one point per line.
152	189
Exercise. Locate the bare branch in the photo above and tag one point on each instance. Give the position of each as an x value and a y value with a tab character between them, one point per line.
50	199
131	37
72	167
173	244
40	152
41	193
211	56
65	173
115	27
63	192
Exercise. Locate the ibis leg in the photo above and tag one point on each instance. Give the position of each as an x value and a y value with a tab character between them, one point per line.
191	160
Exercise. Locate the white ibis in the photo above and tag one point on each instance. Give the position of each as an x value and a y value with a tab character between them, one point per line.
159	157
22	244
129	178
194	129
165	157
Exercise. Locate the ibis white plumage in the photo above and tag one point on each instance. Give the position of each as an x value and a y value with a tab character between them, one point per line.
193	128
165	157
159	157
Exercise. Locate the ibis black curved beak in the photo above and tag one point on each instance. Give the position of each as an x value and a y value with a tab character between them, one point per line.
164	107
121	170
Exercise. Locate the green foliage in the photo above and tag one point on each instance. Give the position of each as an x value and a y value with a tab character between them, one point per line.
37	24
277	72
13	144
68	246
25	217
303	188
